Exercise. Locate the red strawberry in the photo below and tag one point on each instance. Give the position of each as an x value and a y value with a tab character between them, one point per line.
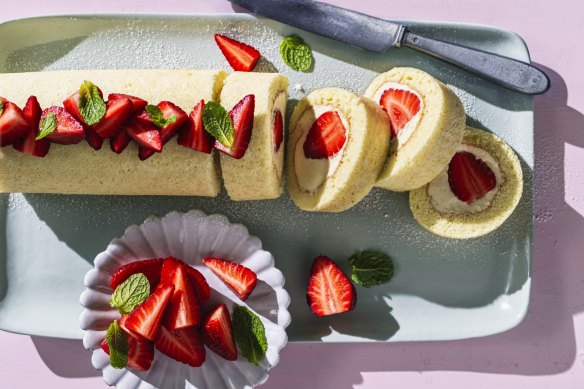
201	286
71	104
326	136
69	130
241	57
183	345
13	124
117	113
469	177
329	290
144	132
401	106
29	145
239	278
193	134
140	353
168	131
138	104
122	324
184	309
278	130
93	138
151	268
120	141
218	333
145	320
242	115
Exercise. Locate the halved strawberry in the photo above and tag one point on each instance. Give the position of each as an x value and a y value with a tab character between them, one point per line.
138	104
117	113
193	134
71	104
239	278
29	145
329	290
168	131
120	141
13	123
278	130
218	333
145	320
184	345
184	309
144	132
69	130
201	286
241	57
401	106
140	353
242	116
94	140
469	177
326	136
151	268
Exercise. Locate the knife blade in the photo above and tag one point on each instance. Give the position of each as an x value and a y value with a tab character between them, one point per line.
379	35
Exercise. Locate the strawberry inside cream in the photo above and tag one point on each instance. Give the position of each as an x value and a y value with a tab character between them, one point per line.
279	105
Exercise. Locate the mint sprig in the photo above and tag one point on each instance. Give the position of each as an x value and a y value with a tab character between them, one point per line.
117	343
91	104
47	125
249	334
157	116
295	53
1	107
218	123
130	293
371	268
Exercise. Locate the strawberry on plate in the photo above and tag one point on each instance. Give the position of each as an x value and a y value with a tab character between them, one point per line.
278	130
218	333
68	131
326	136
184	309
184	345
201	286
193	134
13	124
242	116
138	104
151	268
117	113
29	145
469	177
144	132
241	57
401	106
239	278
169	110
329	290
146	319
120	141
140	353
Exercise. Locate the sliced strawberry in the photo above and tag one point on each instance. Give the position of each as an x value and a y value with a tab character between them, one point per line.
69	130
122	324
329	290
184	345
29	145
144	132
193	134
278	130
117	113
13	124
140	353
151	268
71	104
242	115
138	104
218	333
469	177
120	141
326	136
32	112
201	286
184	309
145	320
241	57
401	106
94	140
239	278
168	131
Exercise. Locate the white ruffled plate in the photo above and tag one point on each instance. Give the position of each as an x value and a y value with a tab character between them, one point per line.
190	237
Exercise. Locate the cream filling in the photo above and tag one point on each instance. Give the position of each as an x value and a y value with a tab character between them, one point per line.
410	126
311	173
442	198
279	105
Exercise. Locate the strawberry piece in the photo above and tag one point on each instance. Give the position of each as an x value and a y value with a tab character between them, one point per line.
71	104
94	140
469	177
140	353
184	345
122	324
117	113
120	141
184	309
13	124
138	104
144	132
326	136
242	116
151	268
29	145
241	57
201	286
218	333
193	134
69	130
329	290
168	131
278	130
401	106
239	278
145	320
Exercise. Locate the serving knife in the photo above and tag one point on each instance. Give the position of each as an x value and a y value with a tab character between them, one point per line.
379	35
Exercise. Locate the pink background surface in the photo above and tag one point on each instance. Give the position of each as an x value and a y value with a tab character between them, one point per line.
545	351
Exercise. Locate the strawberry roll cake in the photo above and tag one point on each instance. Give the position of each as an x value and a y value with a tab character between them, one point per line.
338	144
427	123
475	193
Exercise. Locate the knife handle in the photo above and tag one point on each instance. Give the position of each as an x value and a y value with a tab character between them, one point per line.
515	75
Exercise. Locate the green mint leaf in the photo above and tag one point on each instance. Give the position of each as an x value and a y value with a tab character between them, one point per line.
1	107
130	293
47	125
117	342
157	116
218	123
91	104
371	268
249	334
295	53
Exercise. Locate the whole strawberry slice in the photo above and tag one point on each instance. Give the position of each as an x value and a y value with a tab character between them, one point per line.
138	104
144	132
93	138
201	286
117	113
239	278
13	124
218	333
184	309
242	116
401	106
167	131
326	136
68	131
140	353
469	177
145	320
29	145
193	134
151	268
120	141
184	345
329	290
278	130
241	57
